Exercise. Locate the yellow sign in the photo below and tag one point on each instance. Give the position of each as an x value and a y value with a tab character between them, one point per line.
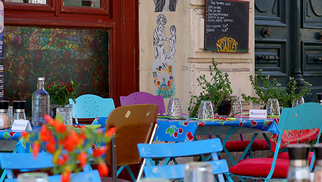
227	44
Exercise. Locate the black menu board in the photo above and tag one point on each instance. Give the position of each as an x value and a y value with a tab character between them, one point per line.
226	26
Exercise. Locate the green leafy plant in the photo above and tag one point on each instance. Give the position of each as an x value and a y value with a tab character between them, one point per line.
60	94
273	89
216	90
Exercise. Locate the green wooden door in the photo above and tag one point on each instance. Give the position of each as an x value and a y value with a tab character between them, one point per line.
287	41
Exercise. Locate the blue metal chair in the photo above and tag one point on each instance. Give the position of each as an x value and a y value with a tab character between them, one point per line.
304	116
91	106
167	150
15	161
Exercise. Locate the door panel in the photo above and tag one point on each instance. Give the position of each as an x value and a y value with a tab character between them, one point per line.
311	36
271	39
276	28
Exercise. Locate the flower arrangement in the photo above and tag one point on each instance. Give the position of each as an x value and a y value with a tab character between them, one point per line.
274	90
217	90
60	94
72	148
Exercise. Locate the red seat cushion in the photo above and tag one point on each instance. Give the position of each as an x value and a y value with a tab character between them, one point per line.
284	155
259	144
260	167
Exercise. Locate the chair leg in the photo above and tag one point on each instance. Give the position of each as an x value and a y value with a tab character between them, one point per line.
114	161
130	172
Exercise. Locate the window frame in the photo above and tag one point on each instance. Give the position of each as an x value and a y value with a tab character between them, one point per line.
118	17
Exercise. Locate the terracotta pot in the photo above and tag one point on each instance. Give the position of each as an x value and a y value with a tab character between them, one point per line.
224	108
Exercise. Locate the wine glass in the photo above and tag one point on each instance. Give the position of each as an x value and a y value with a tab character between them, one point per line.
198	172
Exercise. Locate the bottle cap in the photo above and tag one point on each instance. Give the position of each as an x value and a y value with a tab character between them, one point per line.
19	104
319	96
4	104
298	151
41	79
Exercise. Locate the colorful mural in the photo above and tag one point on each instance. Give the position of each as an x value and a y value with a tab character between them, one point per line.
163	78
59	55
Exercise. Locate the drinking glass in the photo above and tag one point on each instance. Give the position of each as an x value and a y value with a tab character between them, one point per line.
273	107
298	101
174	108
198	172
205	110
153	180
236	106
33	177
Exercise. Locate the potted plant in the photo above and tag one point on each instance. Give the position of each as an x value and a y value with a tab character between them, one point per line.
273	89
72	147
59	99
217	90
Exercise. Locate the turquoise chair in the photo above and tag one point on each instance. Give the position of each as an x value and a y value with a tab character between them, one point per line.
16	161
167	150
304	116
92	106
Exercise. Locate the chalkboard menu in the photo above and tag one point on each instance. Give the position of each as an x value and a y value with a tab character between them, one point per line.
226	26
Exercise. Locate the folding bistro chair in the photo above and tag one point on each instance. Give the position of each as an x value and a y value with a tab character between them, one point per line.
134	124
143	98
91	106
304	116
16	161
167	150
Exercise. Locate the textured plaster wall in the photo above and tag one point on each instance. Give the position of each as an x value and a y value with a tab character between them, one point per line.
191	60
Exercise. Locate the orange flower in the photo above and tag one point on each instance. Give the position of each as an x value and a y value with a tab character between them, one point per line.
82	157
24	134
50	147
50	120
45	134
100	151
102	169
61	161
69	145
65	176
110	132
74	137
36	149
61	127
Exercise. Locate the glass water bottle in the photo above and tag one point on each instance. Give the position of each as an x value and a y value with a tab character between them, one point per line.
318	164
40	103
299	170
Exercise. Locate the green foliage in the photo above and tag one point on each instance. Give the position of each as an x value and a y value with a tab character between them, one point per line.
274	90
60	94
216	90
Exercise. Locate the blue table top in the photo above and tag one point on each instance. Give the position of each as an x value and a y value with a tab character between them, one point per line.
185	130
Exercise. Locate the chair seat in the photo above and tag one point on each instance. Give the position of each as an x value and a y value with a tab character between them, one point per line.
260	167
284	155
259	144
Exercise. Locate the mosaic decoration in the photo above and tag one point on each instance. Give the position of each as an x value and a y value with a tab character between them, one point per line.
59	55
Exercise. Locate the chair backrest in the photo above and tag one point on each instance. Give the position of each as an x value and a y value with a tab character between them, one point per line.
304	116
134	124
143	98
91	106
12	161
166	150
